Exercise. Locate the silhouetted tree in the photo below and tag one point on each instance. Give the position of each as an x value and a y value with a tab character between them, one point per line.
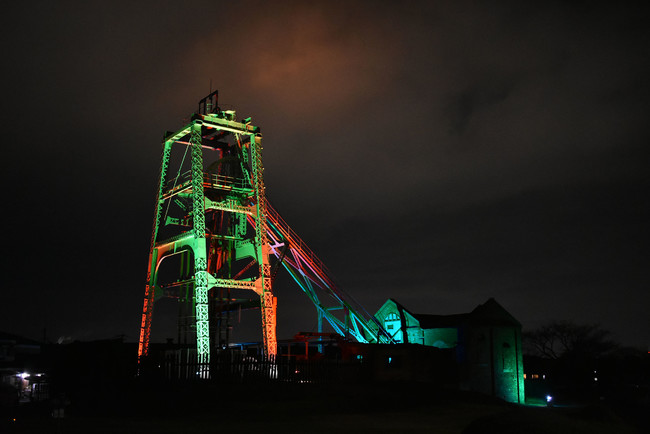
562	339
583	364
574	354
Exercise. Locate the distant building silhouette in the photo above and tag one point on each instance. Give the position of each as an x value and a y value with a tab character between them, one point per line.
20	369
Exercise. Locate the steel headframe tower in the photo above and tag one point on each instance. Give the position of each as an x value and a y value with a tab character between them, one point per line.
211	217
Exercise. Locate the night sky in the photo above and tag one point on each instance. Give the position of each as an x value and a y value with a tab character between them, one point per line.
439	153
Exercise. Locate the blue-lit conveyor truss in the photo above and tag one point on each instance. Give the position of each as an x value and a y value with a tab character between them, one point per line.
347	317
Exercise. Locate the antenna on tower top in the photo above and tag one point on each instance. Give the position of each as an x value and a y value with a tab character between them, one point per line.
209	104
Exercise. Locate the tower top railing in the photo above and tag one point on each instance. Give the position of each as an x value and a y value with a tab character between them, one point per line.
210	180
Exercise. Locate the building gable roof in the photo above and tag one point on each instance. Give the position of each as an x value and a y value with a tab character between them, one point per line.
493	313
488	313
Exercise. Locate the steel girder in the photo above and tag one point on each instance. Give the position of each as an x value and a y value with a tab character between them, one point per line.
196	194
231	199
313	277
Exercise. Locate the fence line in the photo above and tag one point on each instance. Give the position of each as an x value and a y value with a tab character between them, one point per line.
235	367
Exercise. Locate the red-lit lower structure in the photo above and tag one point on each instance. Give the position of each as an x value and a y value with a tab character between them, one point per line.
217	243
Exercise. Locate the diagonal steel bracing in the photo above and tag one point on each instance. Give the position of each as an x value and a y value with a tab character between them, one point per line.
202	215
213	218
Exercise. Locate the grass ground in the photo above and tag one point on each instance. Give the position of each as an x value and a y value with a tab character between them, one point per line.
409	408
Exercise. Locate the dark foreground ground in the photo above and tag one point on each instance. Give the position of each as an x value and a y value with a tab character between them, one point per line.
388	408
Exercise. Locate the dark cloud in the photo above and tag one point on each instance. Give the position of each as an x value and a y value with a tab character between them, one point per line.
439	153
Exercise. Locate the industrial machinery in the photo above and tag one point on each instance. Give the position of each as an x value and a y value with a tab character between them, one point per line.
217	243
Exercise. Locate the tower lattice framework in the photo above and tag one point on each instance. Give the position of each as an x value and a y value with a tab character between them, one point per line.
210	229
214	233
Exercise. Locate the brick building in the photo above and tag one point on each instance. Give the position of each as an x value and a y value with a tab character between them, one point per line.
486	341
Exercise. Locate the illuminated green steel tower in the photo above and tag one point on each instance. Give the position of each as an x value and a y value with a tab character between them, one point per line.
210	227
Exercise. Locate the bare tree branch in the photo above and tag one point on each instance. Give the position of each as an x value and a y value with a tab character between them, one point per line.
565	338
